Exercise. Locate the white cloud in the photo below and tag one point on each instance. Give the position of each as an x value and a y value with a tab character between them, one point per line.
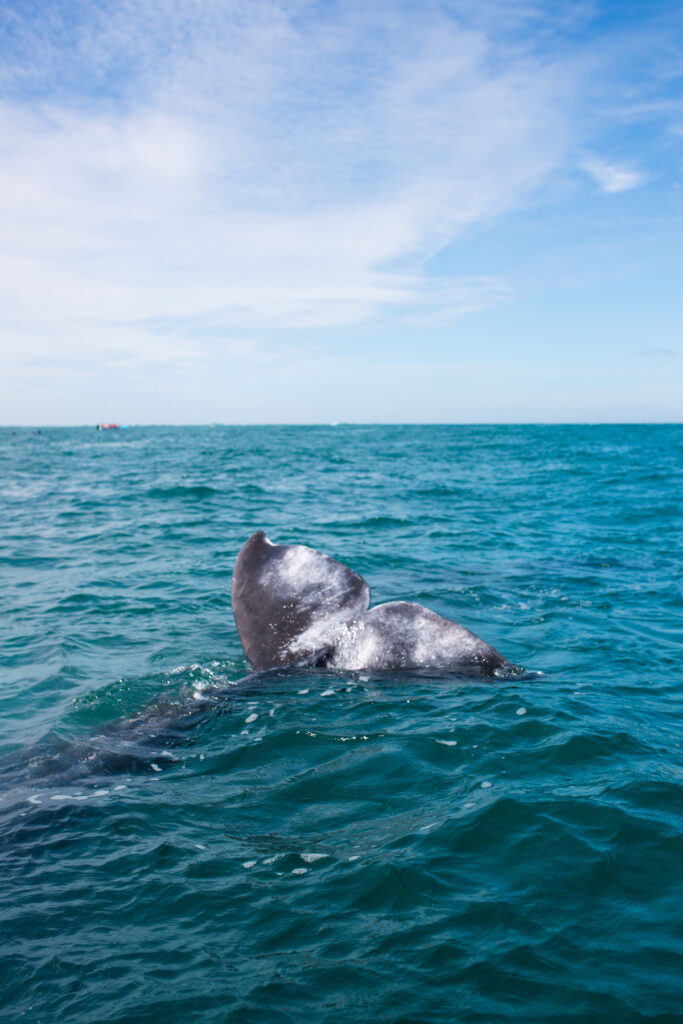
611	177
251	167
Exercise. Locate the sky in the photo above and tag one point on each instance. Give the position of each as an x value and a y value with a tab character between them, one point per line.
290	211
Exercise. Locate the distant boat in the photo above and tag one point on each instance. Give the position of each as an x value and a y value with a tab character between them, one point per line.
108	426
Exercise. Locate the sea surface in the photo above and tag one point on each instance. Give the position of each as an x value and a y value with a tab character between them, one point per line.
183	842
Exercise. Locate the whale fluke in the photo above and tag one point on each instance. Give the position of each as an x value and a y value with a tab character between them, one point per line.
296	606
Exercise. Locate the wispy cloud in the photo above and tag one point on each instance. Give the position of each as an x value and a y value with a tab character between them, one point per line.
612	177
256	166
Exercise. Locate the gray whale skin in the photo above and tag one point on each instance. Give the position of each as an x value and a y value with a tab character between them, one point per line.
296	606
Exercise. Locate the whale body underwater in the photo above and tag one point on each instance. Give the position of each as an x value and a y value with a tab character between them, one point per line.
294	605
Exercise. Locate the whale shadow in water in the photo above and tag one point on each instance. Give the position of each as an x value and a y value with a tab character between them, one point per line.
294	605
144	743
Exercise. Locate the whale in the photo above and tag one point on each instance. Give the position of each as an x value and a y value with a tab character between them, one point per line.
296	606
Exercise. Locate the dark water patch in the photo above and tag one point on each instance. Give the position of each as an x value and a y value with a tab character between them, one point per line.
183	491
372	523
21	561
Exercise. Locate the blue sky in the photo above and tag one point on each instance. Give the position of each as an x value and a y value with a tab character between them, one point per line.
253	212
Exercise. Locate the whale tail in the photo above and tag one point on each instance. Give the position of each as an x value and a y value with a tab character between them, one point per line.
296	606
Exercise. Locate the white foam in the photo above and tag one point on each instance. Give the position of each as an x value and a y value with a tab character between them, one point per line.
486	785
303	692
299	871
310	858
327	693
251	718
274	859
248	863
103	792
448	743
155	767
520	711
200	846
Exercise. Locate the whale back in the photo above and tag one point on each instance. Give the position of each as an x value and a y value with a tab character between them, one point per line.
288	600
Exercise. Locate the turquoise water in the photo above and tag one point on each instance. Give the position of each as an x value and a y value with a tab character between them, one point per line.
180	846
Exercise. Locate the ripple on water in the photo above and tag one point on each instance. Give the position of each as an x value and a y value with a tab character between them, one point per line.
183	841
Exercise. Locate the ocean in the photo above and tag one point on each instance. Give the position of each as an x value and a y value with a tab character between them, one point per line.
183	842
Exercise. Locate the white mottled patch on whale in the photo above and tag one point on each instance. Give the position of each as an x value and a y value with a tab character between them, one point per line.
310	577
296	568
355	646
292	571
351	642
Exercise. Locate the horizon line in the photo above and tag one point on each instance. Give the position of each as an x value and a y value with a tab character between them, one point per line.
360	423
